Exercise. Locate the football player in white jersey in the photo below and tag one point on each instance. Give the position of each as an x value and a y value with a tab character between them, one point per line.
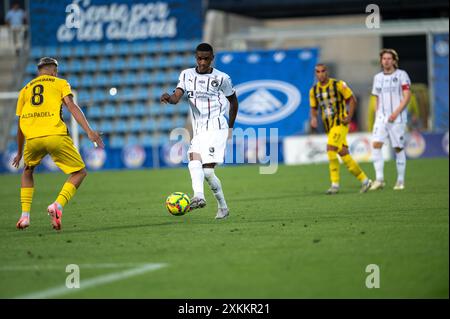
392	90
210	94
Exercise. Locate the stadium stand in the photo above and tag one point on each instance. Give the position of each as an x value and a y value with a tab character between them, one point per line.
140	73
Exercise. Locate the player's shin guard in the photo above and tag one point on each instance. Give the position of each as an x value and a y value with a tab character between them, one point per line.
378	163
216	187
197	177
26	197
354	168
66	193
401	166
334	167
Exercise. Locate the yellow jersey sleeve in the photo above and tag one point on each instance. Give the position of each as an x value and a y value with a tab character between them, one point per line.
20	101
344	89
312	98
65	88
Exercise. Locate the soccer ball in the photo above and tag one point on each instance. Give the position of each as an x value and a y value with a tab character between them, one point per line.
178	203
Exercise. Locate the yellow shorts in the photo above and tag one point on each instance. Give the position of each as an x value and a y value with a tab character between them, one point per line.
337	136
60	148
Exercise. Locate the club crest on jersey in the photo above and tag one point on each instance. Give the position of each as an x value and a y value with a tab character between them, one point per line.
214	83
266	101
211	149
394	79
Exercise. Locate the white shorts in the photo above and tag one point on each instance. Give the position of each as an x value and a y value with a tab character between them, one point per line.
394	131
210	145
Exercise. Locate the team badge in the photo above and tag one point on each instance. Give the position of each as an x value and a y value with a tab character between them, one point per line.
214	83
211	149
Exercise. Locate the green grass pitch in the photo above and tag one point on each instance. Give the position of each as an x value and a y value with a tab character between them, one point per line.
283	239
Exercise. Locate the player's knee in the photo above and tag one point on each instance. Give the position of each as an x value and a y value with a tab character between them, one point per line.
209	172
81	173
377	145
28	169
331	148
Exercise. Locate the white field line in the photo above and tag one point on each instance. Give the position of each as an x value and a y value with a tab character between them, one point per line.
56	267
92	282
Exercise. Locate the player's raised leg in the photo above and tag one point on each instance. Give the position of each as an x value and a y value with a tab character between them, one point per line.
216	188
355	169
26	197
197	177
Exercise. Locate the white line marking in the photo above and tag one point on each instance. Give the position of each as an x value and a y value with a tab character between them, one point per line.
92	282
82	266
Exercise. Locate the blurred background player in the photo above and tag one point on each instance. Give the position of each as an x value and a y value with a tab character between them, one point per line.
43	130
392	90
16	19
208	90
332	96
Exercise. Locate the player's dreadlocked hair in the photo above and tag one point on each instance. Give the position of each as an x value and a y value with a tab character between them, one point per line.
204	47
391	52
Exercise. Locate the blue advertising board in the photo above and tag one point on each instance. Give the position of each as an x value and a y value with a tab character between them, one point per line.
54	23
440	82
272	87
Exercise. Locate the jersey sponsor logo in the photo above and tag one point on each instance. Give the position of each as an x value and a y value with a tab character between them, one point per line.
266	101
133	156
415	145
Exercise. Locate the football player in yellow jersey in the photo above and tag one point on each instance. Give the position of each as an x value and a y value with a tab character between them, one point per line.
332	96
43	131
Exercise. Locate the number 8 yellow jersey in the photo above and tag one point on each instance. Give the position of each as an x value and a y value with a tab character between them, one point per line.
40	107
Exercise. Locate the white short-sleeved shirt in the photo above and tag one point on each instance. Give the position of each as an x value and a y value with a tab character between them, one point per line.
389	90
207	95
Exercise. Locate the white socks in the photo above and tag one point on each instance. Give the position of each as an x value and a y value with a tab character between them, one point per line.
401	166
216	187
197	176
378	163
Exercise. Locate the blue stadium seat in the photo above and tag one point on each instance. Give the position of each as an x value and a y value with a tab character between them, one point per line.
168	109
179	122
122	48
137	47
135	125
51	51
101	79
109	110
106	126
124	110
163	61
149	124
155	109
86	80
79	50
94	112
31	68
151	47
163	139
94	49
148	63
131	140
120	126
65	51
146	140
117	141
130	79
165	124
90	65
145	78
134	63
139	109
83	96
37	53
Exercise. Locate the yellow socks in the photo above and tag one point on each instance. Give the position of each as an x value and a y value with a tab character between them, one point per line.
334	167
354	168
26	197
67	192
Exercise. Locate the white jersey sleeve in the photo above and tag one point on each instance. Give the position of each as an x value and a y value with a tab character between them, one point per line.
227	86
182	81
405	81
376	88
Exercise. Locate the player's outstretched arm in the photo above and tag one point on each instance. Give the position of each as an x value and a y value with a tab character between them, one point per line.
351	109
20	141
172	99
81	119
313	117
234	106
